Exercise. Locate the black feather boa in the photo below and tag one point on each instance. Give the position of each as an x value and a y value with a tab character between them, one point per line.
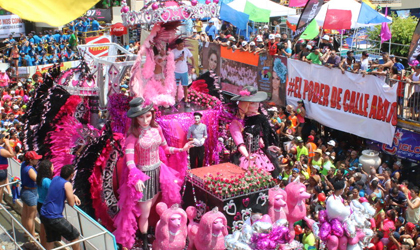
84	167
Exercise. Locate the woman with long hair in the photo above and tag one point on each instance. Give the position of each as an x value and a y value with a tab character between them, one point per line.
300	114
29	194
145	174
43	181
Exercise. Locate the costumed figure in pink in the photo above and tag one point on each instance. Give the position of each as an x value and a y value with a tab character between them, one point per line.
336	227
4	78
277	206
296	196
155	81
252	133
171	229
145	175
210	233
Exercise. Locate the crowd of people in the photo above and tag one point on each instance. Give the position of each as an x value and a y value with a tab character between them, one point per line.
321	157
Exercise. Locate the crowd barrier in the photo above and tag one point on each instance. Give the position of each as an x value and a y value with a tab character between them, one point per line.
93	235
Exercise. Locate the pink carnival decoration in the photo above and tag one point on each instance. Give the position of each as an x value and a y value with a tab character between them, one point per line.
211	232
171	229
277	207
296	196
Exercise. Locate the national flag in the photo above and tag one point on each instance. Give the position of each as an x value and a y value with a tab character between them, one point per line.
54	12
297	3
385	32
367	15
257	14
311	31
291	25
337	19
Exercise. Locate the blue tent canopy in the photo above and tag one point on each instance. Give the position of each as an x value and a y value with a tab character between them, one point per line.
237	18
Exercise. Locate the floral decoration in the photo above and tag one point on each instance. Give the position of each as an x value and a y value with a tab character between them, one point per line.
252	180
203	99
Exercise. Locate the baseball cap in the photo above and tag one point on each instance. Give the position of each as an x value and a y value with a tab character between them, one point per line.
364	53
265	27
295	170
311	138
410	226
32	155
331	143
12	92
309	47
277	36
252	43
398	163
15	107
271	36
299	139
232	39
326	37
19	84
194	30
259	39
211	21
244	43
352	168
402	220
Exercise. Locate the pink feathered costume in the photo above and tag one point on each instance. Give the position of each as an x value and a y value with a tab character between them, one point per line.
142	153
159	89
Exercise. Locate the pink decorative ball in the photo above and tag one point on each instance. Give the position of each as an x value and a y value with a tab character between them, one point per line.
125	9
216	1
194	2
208	1
155	6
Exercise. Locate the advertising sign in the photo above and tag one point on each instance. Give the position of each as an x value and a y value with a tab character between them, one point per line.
11	24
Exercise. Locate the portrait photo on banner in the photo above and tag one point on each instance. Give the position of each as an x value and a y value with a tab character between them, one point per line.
210	57
279	81
235	75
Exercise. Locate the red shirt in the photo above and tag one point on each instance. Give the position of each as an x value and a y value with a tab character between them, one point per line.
377	246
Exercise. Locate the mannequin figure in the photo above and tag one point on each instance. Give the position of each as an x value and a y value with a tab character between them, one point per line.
171	230
197	133
252	133
146	174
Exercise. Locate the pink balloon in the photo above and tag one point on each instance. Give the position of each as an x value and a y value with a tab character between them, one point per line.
337	228
325	231
363	199
332	243
342	243
216	1
208	1
125	9
322	216
266	218
194	2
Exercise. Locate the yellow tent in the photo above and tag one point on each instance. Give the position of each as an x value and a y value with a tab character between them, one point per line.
369	3
53	12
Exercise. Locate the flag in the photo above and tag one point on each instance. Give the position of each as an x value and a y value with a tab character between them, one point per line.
297	3
54	12
414	50
367	15
237	18
257	14
385	32
310	11
311	31
337	19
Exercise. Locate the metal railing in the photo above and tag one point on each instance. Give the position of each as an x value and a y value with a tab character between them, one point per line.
92	234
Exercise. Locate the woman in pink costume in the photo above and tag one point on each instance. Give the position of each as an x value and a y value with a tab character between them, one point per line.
145	175
252	133
155	79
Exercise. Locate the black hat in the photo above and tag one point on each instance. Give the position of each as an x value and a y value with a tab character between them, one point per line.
138	107
257	208
198	113
250	94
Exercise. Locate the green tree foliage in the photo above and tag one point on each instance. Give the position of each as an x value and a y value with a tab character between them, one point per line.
402	30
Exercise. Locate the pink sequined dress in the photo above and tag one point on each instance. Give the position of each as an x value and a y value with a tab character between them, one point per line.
143	163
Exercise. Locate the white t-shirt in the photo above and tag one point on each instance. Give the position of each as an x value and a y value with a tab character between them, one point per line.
181	66
364	64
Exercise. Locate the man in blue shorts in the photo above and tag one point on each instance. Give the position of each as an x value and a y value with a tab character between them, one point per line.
52	211
181	55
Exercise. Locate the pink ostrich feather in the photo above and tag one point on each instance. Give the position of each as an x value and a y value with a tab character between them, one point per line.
136	82
62	140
